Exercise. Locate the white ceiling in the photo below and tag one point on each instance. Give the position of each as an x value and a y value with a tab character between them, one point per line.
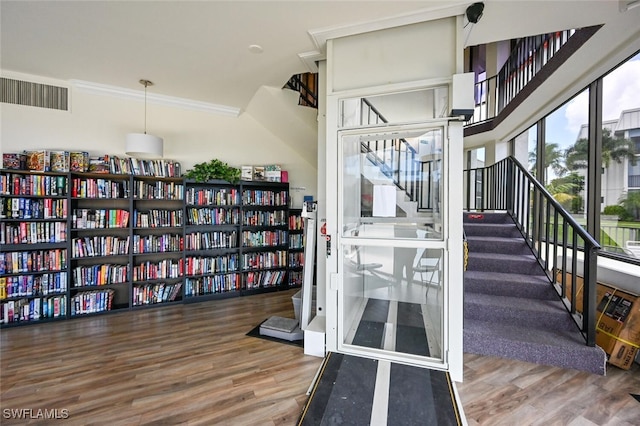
198	50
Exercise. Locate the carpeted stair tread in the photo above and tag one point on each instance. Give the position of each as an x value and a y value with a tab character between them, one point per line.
492	244
500	262
493	217
559	348
492	229
535	313
505	284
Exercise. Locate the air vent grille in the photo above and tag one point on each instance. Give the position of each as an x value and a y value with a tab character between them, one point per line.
33	94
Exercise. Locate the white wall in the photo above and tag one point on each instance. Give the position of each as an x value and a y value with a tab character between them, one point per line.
98	124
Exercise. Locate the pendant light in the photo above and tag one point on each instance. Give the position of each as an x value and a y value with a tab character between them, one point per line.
143	145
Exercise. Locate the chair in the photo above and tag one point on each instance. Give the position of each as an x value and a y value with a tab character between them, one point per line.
427	265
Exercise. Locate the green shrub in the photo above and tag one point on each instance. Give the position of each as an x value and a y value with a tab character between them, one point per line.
619	211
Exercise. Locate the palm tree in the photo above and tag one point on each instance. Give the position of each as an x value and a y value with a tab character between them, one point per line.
631	202
553	159
613	148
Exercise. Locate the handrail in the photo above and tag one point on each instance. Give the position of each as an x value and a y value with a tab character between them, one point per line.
525	61
398	160
308	95
553	235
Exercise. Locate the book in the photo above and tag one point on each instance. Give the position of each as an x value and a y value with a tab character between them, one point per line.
246	173
272	173
59	161
38	161
13	161
258	173
78	161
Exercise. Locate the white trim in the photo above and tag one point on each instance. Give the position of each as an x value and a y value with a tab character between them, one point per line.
320	36
393	88
310	60
138	95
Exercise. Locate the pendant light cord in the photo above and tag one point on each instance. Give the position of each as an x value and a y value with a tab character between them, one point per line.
145	83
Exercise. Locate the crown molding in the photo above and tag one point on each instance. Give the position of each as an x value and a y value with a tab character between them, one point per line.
138	95
310	59
321	35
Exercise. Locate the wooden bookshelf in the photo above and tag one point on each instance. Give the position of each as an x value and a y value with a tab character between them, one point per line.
86	243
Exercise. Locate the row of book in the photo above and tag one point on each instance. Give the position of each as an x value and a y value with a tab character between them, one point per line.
212	284
213	216
255	280
213	196
156	218
29	208
102	274
99	245
34	185
33	232
210	240
296	223
140	167
264	218
197	265
166	268
33	285
21	310
99	188
16	262
259	197
149	294
296	259
262	260
90	302
99	218
295	278
296	241
157	243
158	190
264	238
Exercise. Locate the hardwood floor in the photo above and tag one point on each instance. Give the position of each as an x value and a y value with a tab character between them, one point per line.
193	364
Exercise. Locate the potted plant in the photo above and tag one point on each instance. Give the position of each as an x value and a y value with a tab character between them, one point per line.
213	169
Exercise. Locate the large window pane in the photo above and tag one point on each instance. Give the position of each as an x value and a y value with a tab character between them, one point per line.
566	132
621	177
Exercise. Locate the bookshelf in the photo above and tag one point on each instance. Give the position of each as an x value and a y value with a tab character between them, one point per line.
75	244
264	236
157	240
100	243
33	246
296	248
212	256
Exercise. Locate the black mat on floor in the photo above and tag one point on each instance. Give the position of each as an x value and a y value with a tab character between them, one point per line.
344	394
255	332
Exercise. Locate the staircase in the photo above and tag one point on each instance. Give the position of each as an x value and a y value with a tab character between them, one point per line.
511	310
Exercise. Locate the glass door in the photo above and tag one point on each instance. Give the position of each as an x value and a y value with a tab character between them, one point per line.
392	251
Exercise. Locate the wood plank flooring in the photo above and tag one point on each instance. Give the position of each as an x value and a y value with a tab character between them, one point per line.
193	364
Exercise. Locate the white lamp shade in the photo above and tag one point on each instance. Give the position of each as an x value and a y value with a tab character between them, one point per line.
142	145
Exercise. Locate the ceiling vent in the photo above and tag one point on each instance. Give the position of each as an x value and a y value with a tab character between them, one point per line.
33	94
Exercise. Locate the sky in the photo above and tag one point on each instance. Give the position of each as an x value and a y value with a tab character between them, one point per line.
620	90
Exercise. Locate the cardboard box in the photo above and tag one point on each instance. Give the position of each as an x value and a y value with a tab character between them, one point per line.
38	161
617	320
618	324
13	161
59	161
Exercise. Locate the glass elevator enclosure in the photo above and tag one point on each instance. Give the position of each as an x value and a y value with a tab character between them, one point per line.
392	189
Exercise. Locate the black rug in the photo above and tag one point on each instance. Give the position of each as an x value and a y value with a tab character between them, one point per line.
255	332
344	394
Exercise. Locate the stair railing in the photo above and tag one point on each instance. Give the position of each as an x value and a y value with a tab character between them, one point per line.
525	61
306	85
564	249
395	158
